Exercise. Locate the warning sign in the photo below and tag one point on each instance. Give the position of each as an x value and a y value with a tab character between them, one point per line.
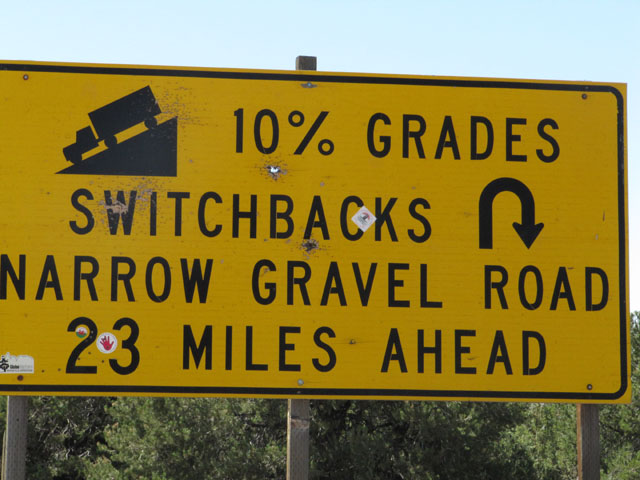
303	234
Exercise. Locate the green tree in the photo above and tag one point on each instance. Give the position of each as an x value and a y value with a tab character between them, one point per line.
620	424
431	440
63	433
171	438
186	438
547	436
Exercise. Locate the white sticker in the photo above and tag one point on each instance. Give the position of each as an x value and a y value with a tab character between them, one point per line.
16	363
363	218
107	342
82	331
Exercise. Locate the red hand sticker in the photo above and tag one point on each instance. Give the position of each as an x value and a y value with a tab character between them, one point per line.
107	342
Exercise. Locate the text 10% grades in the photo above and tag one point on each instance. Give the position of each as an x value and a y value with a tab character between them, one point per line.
266	120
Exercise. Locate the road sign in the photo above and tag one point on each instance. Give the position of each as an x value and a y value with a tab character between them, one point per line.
173	231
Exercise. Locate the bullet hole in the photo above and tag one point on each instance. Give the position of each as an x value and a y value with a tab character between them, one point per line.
310	245
275	171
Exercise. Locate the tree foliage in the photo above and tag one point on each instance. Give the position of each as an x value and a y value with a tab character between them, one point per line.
63	432
398	440
620	425
547	437
186	438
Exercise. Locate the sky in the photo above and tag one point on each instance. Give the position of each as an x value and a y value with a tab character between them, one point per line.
547	40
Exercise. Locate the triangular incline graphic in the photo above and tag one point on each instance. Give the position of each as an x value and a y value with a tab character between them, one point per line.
150	153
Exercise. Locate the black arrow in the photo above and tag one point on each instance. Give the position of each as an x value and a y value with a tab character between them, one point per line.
528	229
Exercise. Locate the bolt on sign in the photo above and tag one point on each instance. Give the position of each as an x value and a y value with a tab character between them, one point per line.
203	232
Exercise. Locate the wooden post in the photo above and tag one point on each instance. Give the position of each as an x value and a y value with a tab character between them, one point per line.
4	452
588	439
15	445
306	63
298	420
298	423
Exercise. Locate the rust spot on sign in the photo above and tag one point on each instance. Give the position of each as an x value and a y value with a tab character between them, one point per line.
264	271
116	207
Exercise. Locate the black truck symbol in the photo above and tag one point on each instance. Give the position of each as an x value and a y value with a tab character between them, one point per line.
118	116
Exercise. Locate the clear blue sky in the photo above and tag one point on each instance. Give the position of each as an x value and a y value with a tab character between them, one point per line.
542	39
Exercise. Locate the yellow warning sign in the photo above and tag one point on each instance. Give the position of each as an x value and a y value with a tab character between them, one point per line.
173	231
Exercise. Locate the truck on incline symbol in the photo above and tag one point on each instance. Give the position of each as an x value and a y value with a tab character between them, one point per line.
118	116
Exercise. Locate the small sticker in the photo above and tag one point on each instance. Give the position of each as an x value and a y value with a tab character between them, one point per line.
107	342
16	363
81	332
363	218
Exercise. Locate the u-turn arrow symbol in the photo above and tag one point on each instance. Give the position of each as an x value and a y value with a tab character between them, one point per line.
528	230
